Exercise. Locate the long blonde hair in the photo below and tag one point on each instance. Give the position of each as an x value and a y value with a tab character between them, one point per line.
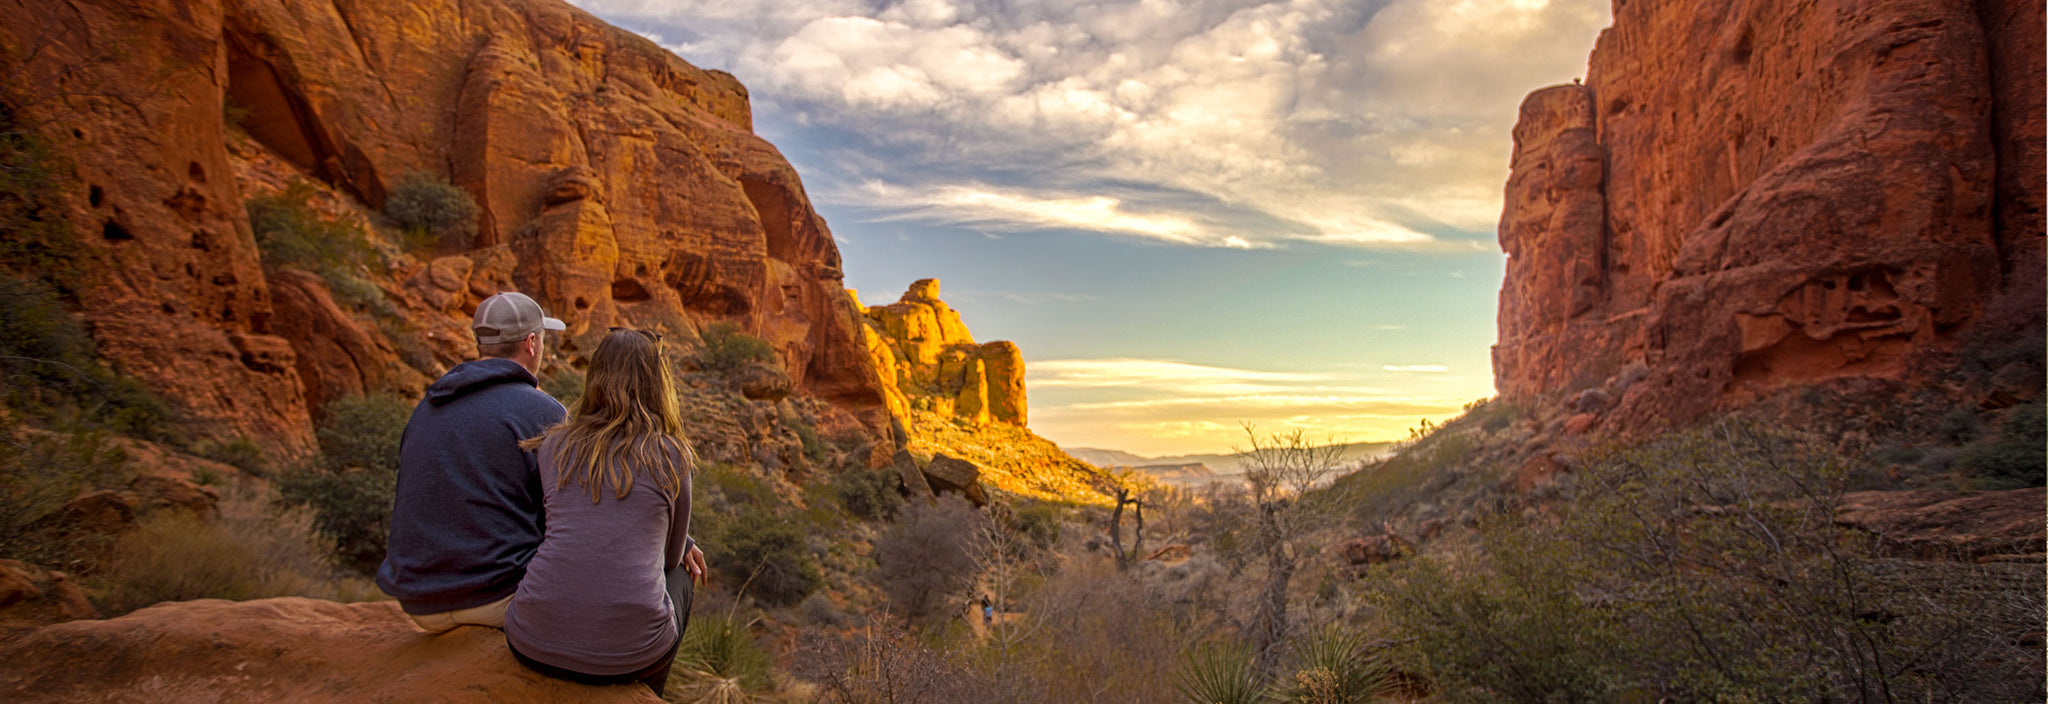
626	419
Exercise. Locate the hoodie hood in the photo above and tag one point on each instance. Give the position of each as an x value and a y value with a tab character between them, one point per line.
470	376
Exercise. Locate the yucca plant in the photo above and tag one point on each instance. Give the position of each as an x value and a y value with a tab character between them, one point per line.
1219	673
1333	667
719	663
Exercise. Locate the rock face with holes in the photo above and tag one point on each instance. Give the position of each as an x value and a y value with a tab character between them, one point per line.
1747	196
626	185
932	362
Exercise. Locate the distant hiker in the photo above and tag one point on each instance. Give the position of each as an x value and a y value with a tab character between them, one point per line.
468	512
607	597
988	611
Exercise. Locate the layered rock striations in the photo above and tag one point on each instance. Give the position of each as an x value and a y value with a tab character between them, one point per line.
618	184
1746	196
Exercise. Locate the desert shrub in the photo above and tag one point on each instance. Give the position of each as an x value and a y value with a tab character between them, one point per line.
240	453
2013	458
923	559
291	232
1219	673
350	488
890	665
764	550
1038	522
719	661
39	472
814	448
727	348
247	553
566	385
363	431
50	372
870	494
1707	566
428	208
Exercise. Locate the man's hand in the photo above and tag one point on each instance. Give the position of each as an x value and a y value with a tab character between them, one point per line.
693	560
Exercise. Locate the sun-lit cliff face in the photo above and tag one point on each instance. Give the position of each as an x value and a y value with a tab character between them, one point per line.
1748	196
618	184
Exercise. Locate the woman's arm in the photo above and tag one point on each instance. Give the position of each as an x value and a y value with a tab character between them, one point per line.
679	526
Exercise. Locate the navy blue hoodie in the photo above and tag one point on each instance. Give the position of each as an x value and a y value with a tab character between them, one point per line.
468	515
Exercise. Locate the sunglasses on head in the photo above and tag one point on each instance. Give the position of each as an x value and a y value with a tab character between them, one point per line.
649	334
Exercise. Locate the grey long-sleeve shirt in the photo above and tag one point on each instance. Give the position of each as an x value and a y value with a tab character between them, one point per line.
593	600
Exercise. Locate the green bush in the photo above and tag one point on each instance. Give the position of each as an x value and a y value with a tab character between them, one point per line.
39	472
814	448
2014	458
239	453
727	348
290	232
869	494
50	372
429	208
351	487
1706	566
566	385
763	550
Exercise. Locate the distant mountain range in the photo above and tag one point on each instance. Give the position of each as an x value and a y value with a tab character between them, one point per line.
1186	469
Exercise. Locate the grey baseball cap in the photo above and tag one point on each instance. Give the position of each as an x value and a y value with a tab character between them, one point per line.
510	317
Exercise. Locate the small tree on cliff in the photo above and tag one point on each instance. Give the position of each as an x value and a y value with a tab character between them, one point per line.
431	209
1284	470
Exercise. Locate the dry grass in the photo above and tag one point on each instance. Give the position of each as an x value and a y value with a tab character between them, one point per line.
250	552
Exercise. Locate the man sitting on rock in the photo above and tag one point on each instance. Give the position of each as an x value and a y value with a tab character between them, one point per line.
468	515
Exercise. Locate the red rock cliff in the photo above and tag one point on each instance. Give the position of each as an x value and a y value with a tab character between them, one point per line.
626	184
1749	195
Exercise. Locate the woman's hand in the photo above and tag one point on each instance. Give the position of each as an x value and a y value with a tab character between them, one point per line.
693	560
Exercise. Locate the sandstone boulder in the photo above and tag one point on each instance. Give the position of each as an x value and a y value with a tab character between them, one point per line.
31	597
912	475
949	474
273	650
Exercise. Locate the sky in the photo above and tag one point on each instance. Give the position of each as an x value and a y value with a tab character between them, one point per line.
1190	215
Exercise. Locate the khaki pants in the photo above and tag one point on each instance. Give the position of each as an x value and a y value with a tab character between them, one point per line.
491	614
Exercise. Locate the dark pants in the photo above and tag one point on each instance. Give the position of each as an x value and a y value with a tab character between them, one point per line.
655	676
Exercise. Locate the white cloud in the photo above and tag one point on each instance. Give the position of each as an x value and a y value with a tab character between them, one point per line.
982	206
1368	125
1158	374
1422	368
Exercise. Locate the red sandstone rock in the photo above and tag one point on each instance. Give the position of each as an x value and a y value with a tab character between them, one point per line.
624	186
926	353
335	356
275	650
1749	195
31	597
1931	524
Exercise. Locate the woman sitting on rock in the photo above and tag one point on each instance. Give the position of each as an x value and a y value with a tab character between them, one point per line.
607	595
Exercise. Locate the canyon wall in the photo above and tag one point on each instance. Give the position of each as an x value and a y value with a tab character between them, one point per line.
619	185
1747	196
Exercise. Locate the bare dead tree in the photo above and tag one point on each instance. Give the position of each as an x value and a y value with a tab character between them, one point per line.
1127	487
1284	470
